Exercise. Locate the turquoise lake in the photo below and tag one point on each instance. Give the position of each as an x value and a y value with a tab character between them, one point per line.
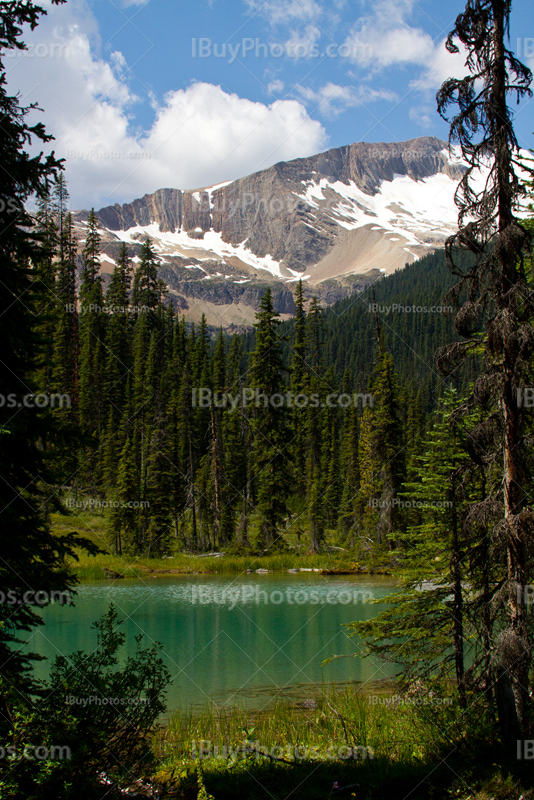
230	640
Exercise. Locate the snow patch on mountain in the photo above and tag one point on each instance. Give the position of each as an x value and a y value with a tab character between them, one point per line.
422	210
210	247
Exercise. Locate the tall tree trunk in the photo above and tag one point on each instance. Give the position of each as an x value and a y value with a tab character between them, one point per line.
515	645
458	626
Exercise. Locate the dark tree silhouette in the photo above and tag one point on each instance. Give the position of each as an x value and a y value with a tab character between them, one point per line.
496	318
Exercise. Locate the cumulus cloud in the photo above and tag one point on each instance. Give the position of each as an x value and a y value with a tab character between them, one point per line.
384	38
442	65
200	135
228	136
332	99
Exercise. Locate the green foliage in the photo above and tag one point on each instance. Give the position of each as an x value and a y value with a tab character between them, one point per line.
94	719
423	630
32	559
269	457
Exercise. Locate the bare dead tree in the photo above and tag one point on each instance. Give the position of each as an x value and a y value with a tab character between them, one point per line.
496	318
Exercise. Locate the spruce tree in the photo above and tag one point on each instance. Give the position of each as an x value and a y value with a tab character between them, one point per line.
32	559
351	499
65	338
91	324
299	385
424	628
236	437
268	421
499	304
118	332
388	441
147	289
44	272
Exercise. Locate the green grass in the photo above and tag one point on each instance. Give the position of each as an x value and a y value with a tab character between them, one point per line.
347	717
93	525
425	753
92	567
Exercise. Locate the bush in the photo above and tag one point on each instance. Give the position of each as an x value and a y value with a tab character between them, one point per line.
91	726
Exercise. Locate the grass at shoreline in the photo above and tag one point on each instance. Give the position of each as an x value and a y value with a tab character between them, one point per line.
378	751
92	567
94	526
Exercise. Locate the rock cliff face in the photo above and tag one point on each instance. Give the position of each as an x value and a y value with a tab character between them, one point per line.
351	211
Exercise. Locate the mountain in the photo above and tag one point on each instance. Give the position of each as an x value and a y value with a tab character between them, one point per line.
337	220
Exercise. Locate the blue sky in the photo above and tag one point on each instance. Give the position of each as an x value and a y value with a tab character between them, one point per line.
145	94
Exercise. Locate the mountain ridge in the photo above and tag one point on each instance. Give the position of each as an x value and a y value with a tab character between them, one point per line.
337	220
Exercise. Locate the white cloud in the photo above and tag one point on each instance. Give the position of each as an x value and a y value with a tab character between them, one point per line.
228	136
332	99
302	44
284	11
442	65
200	135
276	87
422	116
384	38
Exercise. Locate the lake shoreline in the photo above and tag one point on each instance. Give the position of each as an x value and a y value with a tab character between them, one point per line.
112	567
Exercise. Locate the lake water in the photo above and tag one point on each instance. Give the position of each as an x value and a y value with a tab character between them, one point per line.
232	640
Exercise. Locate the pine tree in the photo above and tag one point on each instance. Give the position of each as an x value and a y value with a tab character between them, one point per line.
313	428
125	519
270	452
91	360
44	271
147	290
499	301
368	470
60	209
32	559
65	337
118	333
381	452
388	441
352	509
299	385
236	447
424	628
217	451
